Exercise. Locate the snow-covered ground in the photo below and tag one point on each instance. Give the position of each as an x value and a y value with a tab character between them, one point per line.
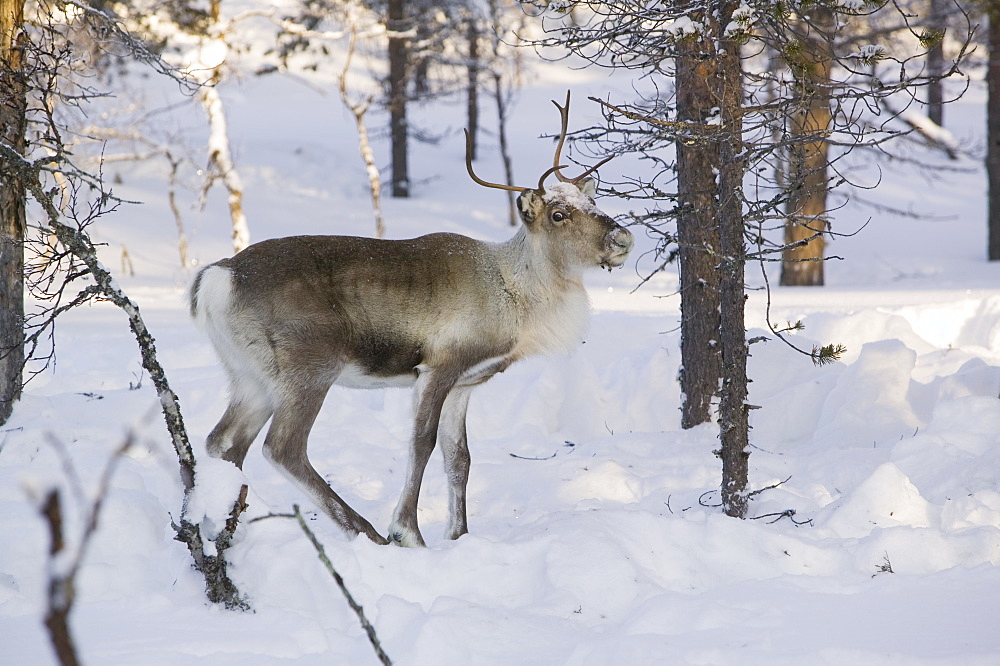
595	538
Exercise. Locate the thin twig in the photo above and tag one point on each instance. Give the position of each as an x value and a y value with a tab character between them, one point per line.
701	498
355	606
787	513
770	487
514	455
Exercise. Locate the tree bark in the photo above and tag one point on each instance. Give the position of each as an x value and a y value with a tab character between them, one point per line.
734	425
935	63
12	199
472	85
398	129
993	135
802	261
697	238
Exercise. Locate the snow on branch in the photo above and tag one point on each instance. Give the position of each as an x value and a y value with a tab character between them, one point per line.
937	136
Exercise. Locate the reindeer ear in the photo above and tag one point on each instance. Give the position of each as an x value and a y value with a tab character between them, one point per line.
588	186
529	203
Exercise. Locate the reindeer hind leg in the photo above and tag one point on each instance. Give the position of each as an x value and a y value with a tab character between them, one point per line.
249	409
286	448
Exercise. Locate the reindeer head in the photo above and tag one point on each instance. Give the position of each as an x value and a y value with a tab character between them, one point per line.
564	215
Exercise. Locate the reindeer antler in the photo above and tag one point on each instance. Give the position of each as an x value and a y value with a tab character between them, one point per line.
564	116
556	167
513	188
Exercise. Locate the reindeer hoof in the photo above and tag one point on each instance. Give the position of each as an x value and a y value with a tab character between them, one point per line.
400	536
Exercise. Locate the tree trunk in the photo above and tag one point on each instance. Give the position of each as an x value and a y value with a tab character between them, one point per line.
12	199
935	63
697	239
496	42
734	426
993	135
221	158
508	168
398	130
472	87
802	260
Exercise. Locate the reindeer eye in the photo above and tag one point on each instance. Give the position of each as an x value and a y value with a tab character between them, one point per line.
558	216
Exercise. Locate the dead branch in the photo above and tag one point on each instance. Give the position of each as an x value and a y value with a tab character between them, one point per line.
219	587
61	589
358	610
63	569
321	554
770	487
787	513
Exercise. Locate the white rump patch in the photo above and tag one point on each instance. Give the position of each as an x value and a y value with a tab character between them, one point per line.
214	290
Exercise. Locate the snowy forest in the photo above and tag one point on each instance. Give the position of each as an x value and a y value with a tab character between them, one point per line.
745	255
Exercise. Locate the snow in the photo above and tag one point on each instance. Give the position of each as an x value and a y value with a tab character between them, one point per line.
601	541
931	130
685	26
573	196
870	53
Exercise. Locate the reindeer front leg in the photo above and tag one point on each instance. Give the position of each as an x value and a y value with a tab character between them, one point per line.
431	390
455	446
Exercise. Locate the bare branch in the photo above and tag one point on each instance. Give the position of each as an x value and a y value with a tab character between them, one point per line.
63	569
77	243
338	579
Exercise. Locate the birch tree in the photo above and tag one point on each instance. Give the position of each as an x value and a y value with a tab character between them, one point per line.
356	24
206	61
197	41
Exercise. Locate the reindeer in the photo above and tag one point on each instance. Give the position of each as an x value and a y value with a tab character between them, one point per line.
290	317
